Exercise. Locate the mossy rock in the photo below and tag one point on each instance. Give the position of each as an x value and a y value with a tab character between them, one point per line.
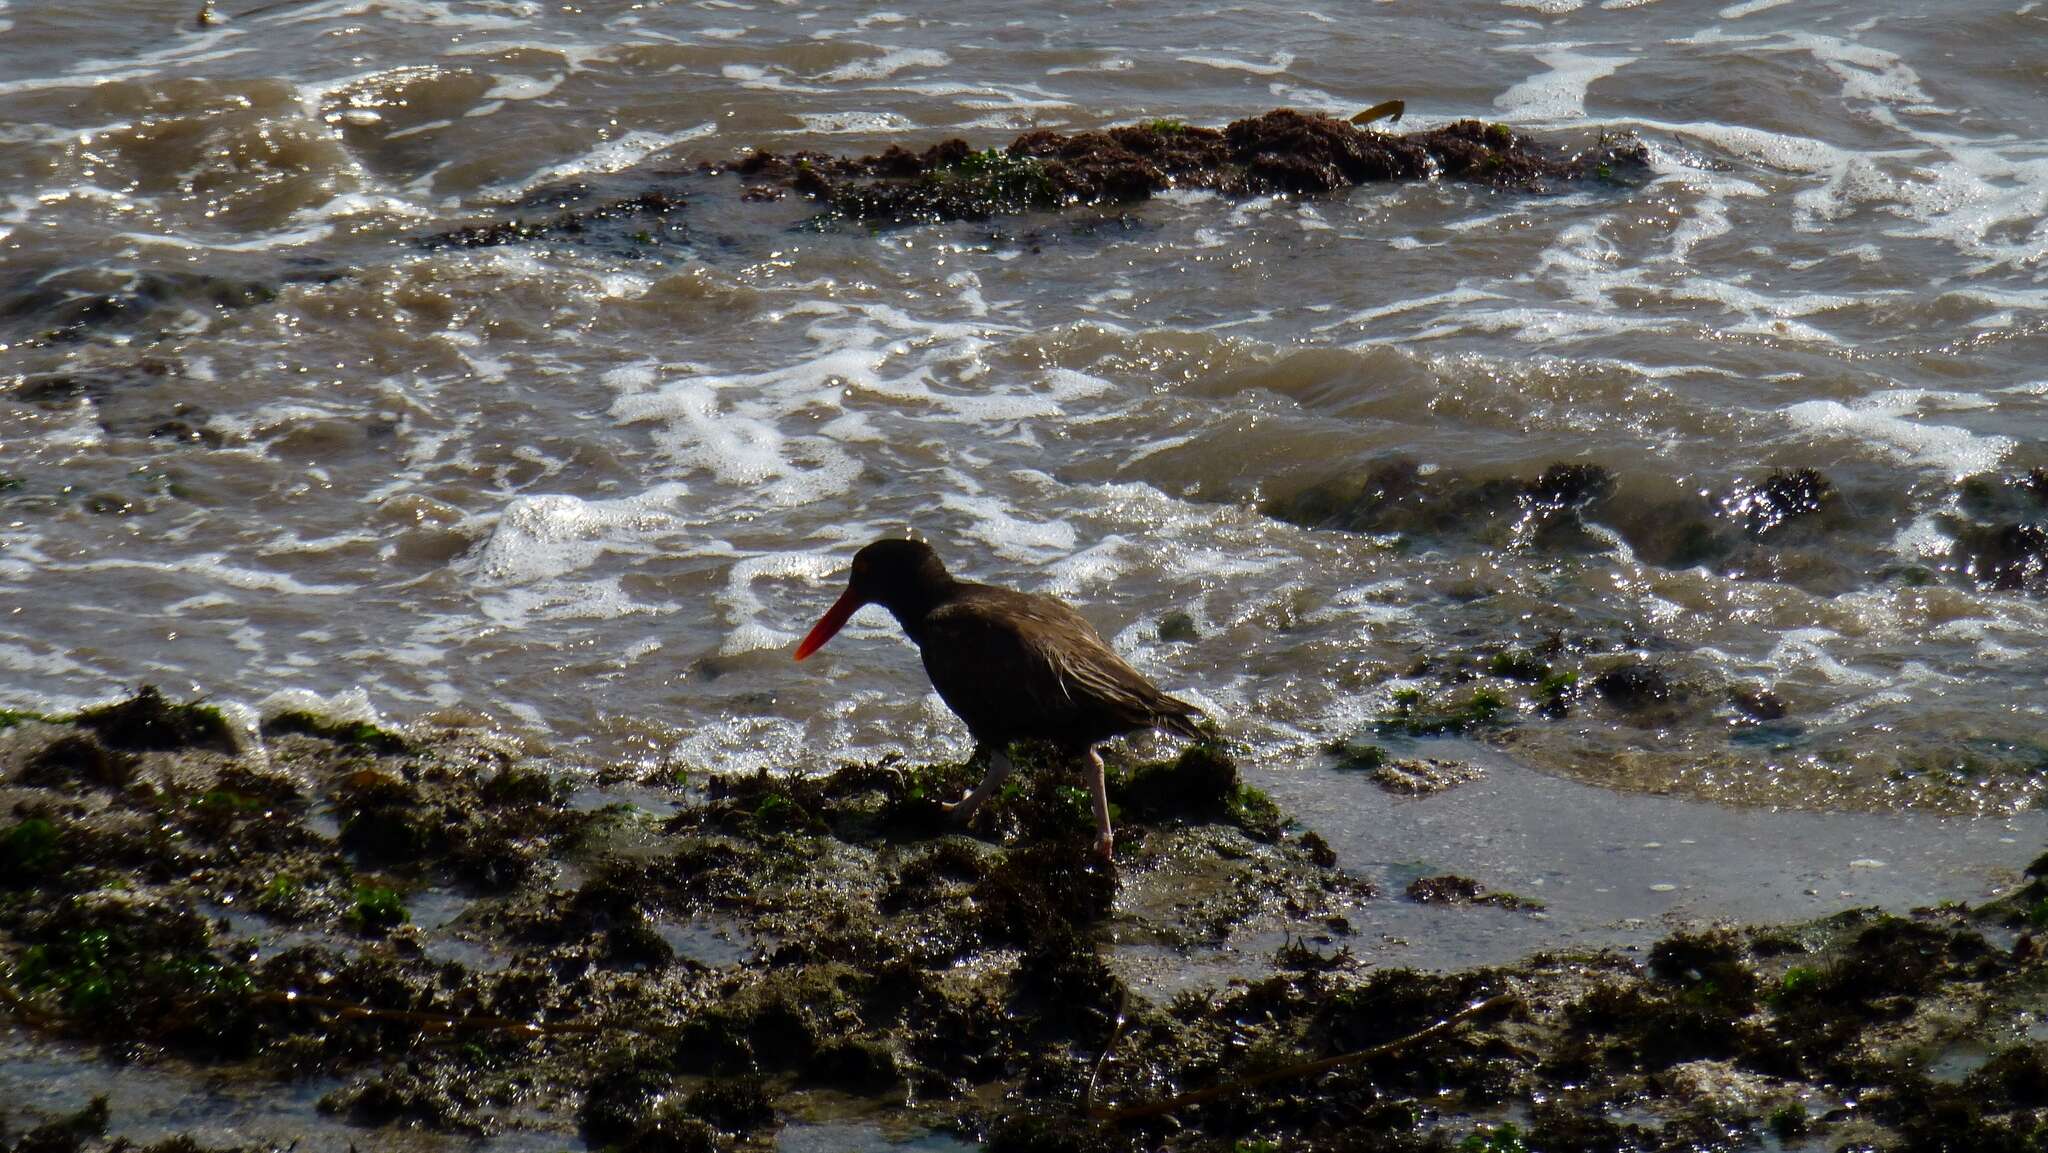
355	734
149	722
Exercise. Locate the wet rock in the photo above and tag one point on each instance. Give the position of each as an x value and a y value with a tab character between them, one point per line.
736	1105
435	1096
1756	703
1634	687
2001	497
856	1066
668	1128
2008	557
79	758
1570	486
69	307
126	968
1047	1133
1450	889
1042	892
1414	713
924	880
1424	776
1318	850
150	722
1289	151
619	1104
66	1134
959	982
1282	151
1782	498
627	223
1710	966
1201	783
34	851
2016	1075
1178	627
1395	496
355	734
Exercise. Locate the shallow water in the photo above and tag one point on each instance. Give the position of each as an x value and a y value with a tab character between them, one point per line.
1618	869
260	442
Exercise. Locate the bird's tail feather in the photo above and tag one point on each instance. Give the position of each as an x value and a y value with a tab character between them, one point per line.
1179	716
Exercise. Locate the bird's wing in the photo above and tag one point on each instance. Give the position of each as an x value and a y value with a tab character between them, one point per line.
1008	661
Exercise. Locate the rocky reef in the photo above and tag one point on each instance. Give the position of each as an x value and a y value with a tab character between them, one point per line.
1282	151
476	939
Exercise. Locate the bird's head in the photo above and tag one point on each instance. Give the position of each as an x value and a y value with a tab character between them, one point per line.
904	576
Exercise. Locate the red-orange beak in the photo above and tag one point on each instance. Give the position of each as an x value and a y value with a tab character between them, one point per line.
833	620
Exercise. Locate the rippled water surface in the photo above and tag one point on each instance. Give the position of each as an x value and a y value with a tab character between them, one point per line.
258	439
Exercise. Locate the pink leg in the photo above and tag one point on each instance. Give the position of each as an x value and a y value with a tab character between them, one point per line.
999	767
1105	838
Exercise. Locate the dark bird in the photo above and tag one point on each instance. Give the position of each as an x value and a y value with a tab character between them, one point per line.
1014	666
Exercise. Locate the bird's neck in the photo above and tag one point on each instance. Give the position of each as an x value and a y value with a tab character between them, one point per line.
912	604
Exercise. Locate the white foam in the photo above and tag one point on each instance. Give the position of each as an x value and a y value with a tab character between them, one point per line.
1009	534
350	706
744	607
215	566
1451	297
1749	8
886	65
1882	421
1106	64
1275	64
869	123
20	658
522	87
611	156
1560	93
539	538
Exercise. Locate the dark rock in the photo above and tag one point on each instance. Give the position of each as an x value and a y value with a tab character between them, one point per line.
1450	889
149	722
1570	485
356	734
655	206
857	1066
66	1134
1758	704
736	1105
1446	889
1318	850
1782	498
79	759
1178	626
1634	687
1711	966
2009	557
1281	151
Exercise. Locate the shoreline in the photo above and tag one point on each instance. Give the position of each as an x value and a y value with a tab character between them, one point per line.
433	930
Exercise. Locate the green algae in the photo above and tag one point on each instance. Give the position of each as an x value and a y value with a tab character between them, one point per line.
356	734
148	721
30	850
9	718
936	979
1412	713
375	908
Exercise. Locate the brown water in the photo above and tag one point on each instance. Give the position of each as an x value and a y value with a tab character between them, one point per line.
260	442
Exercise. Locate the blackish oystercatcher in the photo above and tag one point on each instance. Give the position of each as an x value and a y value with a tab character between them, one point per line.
1015	666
